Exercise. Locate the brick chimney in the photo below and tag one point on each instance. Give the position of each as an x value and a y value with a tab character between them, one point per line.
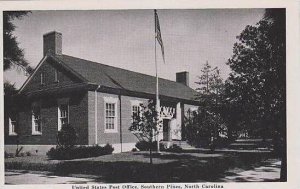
182	77
53	43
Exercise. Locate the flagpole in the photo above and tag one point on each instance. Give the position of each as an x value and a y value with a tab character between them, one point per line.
156	75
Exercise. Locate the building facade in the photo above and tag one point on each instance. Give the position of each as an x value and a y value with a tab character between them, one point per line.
96	99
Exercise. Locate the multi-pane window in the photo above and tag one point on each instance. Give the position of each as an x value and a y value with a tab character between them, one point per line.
135	111
63	115
36	121
12	125
110	116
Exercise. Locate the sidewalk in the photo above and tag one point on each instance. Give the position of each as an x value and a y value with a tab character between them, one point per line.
267	173
35	177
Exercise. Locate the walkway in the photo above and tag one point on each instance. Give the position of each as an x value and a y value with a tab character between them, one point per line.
34	177
266	173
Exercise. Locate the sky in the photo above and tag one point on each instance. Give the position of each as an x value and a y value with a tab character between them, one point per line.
125	38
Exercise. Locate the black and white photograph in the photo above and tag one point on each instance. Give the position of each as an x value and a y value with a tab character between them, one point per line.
154	95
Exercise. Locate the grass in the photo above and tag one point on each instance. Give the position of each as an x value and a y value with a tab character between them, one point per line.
135	167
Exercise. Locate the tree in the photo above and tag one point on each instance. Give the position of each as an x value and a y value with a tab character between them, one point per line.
144	124
258	79
206	123
13	54
211	86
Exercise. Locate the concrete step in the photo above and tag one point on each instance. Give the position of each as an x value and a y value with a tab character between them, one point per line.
182	144
251	144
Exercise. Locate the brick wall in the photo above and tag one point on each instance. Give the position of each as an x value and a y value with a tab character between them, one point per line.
48	69
127	136
124	117
78	118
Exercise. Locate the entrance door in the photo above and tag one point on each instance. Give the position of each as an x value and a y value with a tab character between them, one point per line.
166	125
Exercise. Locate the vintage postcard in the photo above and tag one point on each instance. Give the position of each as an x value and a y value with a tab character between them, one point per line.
149	95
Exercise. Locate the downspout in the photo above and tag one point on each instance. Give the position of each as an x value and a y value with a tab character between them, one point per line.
121	139
96	114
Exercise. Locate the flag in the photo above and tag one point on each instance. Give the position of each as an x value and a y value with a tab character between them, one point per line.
158	35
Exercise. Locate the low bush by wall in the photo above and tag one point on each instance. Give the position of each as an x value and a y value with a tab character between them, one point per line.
76	152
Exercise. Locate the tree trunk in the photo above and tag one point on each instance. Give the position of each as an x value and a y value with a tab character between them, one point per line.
283	170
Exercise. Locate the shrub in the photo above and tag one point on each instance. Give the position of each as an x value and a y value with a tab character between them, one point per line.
142	145
62	153
6	154
108	149
67	136
134	150
28	153
174	148
22	154
222	142
145	146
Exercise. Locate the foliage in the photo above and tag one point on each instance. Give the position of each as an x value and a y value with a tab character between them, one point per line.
146	125
206	122
133	167
257	84
174	148
8	155
67	136
62	153
10	102
28	154
146	145
210	86
13	54
145	122
257	81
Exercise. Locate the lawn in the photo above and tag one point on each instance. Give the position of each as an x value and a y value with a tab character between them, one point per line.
135	167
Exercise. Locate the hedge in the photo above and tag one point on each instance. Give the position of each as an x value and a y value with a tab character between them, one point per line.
76	152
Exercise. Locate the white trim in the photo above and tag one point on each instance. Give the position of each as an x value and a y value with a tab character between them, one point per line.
136	102
31	76
96	114
60	102
10	131
33	131
111	100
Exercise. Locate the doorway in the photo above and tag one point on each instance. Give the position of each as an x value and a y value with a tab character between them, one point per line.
166	129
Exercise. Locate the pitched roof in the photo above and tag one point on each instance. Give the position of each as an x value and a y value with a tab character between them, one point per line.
124	79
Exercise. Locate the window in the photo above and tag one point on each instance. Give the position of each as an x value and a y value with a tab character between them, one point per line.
135	110
63	115
42	78
110	114
56	76
36	121
12	125
135	107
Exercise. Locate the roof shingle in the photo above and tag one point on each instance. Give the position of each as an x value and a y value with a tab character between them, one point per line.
124	79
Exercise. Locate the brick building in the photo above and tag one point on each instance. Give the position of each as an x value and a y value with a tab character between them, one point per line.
96	99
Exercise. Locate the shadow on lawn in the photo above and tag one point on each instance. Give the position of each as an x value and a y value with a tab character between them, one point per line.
167	167
183	168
